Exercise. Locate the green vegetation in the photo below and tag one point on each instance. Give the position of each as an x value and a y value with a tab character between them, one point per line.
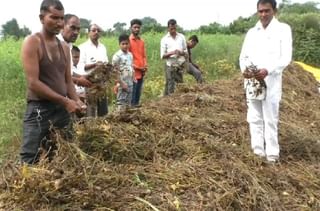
306	33
12	86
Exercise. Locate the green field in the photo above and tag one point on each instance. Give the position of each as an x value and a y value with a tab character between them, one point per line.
217	55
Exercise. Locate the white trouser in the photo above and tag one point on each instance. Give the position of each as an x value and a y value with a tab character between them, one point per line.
263	117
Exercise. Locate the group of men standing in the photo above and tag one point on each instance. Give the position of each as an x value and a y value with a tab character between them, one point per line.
48	59
93	53
50	83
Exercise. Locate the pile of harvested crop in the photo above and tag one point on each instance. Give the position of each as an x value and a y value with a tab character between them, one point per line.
300	115
188	151
101	77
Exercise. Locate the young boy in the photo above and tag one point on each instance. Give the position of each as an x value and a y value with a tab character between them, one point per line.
122	59
78	73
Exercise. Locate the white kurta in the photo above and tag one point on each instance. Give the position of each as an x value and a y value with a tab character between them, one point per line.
269	48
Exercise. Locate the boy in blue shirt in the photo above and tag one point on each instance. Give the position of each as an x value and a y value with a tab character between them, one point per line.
123	61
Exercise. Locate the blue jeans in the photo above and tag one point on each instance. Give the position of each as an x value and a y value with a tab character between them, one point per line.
136	92
39	118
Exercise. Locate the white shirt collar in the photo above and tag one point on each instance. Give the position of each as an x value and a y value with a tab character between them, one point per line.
169	35
272	22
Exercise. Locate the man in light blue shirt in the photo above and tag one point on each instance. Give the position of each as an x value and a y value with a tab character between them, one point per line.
123	61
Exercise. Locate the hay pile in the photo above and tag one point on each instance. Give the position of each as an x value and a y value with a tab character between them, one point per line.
102	77
189	151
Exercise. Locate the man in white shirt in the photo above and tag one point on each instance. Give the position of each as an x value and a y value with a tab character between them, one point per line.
93	53
69	34
173	49
268	46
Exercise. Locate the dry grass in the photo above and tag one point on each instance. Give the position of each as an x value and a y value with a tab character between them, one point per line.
189	151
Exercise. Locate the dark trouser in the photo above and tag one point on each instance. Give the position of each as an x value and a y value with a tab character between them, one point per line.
195	72
100	108
39	118
173	76
136	92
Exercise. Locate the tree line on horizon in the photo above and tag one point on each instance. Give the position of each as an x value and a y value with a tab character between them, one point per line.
238	26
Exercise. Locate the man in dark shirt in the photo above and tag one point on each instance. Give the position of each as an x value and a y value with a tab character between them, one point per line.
51	95
193	69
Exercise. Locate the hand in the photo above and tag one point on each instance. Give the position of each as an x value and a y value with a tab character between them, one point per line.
144	70
82	81
138	68
81	113
177	52
99	63
248	74
180	53
261	74
116	88
71	106
124	86
83	107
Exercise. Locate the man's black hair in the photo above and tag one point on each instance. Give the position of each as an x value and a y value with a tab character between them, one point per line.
123	37
46	4
67	17
194	38
172	22
135	21
272	2
93	24
75	49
